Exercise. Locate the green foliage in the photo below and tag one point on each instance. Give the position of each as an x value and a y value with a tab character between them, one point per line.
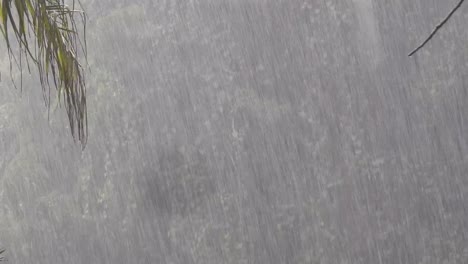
48	34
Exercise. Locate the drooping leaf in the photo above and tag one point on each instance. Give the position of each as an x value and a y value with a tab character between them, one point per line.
48	34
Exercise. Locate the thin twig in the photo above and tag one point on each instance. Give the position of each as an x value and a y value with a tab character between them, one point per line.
439	26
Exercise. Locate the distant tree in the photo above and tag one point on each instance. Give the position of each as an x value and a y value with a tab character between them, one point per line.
47	35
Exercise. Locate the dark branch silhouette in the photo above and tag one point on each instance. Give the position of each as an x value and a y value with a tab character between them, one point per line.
439	26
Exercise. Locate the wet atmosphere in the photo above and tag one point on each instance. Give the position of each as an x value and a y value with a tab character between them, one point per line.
247	131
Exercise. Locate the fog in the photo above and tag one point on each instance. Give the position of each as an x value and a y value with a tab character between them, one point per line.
247	131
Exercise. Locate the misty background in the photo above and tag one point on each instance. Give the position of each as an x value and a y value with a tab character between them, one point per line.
247	131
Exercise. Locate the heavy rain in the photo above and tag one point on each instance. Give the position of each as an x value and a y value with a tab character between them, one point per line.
245	131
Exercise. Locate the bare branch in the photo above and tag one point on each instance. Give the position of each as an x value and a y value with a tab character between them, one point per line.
439	26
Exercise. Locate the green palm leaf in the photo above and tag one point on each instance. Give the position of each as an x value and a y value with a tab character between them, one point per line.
48	34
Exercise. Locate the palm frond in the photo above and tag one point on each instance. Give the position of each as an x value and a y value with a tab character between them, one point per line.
48	34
